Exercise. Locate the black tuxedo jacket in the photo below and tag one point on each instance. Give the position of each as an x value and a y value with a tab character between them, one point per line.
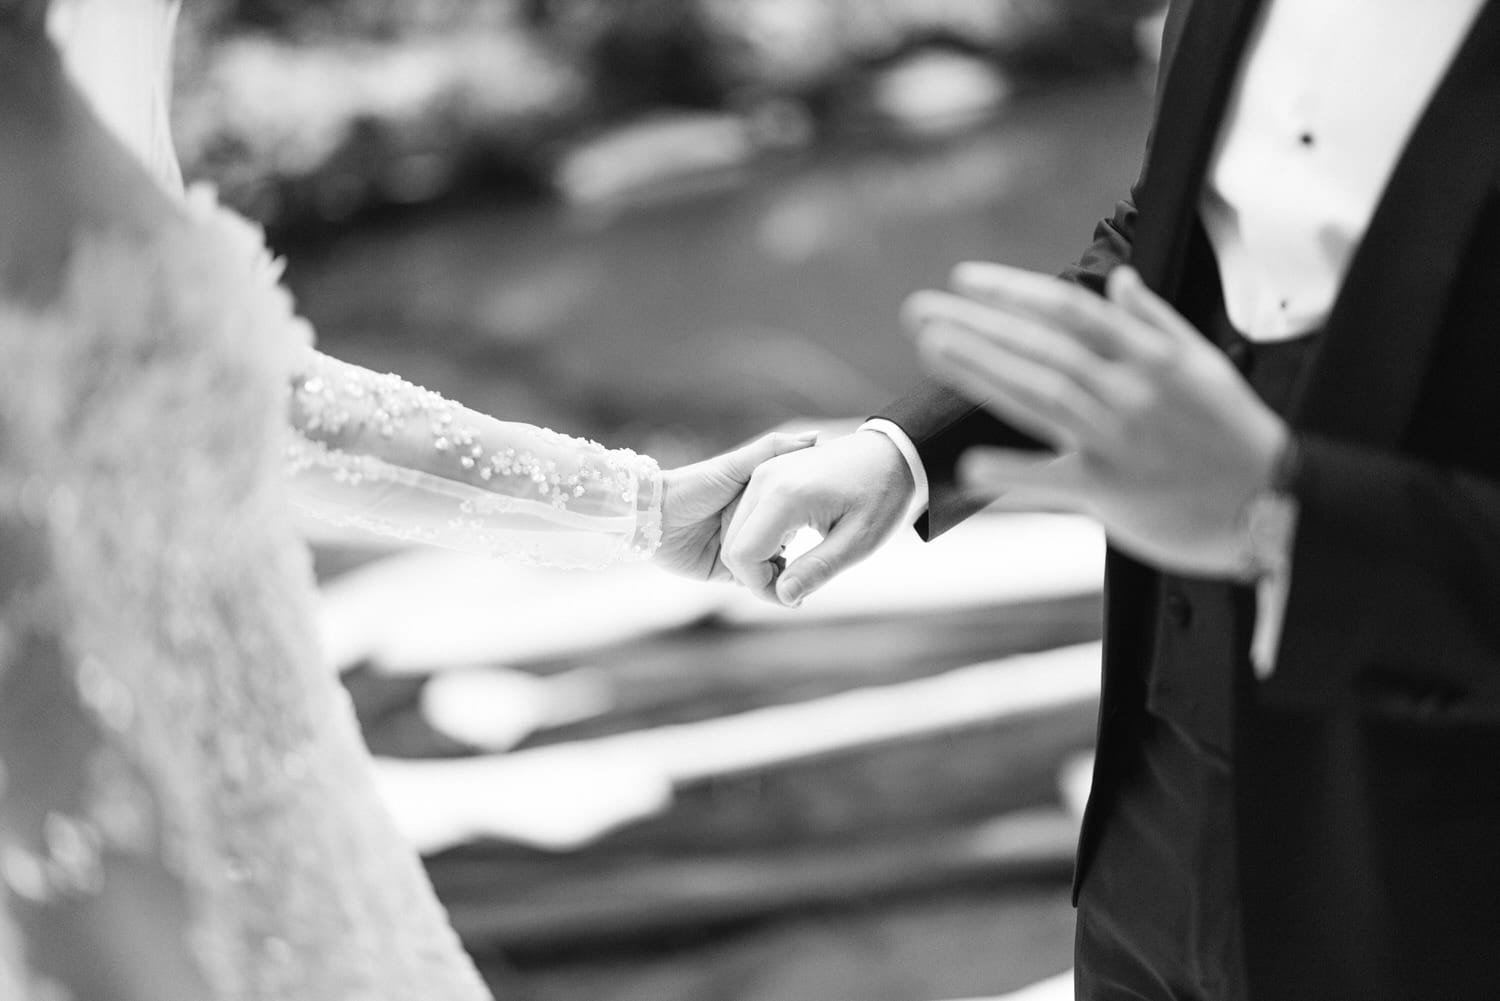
1368	766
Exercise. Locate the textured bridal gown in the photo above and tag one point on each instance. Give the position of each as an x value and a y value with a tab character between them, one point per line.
176	766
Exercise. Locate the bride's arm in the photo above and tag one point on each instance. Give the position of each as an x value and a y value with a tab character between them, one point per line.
375	452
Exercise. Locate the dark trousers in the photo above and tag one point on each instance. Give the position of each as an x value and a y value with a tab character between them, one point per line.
1159	910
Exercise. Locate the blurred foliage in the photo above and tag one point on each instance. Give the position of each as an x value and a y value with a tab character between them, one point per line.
308	111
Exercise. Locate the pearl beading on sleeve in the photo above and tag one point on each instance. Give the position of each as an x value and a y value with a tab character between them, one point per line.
487	478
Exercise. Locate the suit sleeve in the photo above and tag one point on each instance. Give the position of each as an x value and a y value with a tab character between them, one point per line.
942	424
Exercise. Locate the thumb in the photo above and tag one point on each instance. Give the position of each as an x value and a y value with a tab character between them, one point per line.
845	545
740	464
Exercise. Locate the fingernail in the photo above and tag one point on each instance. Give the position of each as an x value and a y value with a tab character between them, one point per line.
808	436
791	592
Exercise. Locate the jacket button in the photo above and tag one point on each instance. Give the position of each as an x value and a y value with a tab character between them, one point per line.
1178	609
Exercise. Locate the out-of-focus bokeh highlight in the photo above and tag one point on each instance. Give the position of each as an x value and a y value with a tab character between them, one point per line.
670	225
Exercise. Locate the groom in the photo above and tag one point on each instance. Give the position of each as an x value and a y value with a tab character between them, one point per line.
1284	414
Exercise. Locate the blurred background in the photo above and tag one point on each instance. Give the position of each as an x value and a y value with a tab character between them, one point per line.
671	225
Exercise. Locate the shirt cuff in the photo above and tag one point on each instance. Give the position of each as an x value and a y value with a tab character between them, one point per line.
921	495
1271	594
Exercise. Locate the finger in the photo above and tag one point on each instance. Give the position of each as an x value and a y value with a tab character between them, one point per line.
740	464
719	572
988	396
753	553
755	541
1023	335
1126	289
994	471
733	521
1098	323
848	542
1040	400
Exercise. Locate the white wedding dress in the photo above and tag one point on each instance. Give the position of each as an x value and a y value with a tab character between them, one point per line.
186	806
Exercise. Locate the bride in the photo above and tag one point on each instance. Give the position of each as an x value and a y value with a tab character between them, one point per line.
186	808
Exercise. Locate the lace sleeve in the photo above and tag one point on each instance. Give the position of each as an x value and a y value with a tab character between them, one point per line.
375	452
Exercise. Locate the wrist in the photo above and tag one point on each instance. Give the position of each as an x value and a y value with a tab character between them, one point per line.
907	475
650	505
892	458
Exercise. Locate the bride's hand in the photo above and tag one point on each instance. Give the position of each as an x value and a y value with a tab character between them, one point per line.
694	498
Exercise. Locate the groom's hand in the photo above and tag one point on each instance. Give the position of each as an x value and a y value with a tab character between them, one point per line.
695	499
1155	433
853	491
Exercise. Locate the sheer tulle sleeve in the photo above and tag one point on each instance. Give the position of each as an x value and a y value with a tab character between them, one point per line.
377	453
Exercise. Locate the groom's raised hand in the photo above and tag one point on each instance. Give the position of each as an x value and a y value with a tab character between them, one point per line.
1154	431
695	499
853	491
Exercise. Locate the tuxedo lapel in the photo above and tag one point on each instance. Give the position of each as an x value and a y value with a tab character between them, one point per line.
1369	369
1203	66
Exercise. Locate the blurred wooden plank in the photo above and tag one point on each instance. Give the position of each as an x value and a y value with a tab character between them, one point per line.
569	795
852	721
714	670
634	899
424	610
945	779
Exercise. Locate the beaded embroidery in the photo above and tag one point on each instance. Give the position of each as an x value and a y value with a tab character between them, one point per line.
472	482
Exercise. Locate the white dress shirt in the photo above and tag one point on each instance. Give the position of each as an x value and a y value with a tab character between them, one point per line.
1327	97
1328	93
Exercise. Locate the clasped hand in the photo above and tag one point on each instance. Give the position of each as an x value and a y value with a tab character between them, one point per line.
1152	432
698	500
731	516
